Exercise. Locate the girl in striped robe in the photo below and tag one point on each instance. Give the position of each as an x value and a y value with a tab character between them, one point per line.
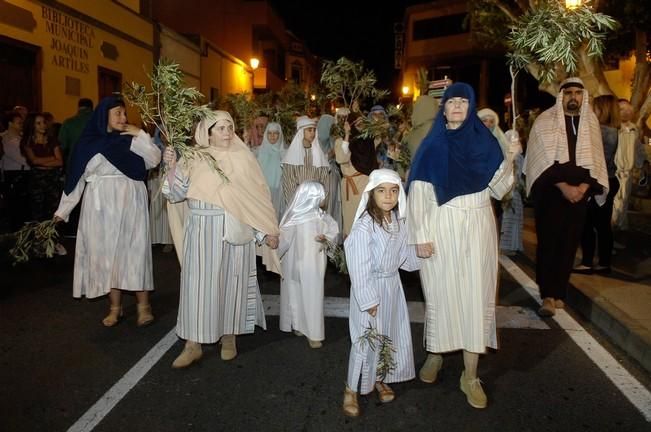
375	249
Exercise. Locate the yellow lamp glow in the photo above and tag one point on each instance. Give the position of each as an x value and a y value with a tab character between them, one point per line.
254	62
313	97
573	4
405	90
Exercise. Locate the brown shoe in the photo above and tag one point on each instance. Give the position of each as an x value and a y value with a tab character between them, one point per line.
548	308
145	316
350	406
115	313
474	393
559	304
431	368
190	354
384	392
229	349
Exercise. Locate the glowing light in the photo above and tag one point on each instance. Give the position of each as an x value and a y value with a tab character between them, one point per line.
254	62
573	4
313	97
405	90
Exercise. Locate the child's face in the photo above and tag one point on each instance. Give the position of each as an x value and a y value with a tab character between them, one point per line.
386	196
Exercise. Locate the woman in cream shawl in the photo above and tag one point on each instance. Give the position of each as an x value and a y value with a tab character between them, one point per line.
219	296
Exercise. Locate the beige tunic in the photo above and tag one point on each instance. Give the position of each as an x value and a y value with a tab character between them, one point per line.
352	185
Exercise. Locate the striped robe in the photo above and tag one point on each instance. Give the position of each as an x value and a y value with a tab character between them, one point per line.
294	175
460	280
373	256
158	223
219	286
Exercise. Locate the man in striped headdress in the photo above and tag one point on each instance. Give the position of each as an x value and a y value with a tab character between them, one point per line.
564	167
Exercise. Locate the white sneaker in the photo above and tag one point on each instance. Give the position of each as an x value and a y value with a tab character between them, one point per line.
60	250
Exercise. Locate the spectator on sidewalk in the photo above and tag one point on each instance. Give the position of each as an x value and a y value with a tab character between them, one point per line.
72	128
564	166
598	230
15	172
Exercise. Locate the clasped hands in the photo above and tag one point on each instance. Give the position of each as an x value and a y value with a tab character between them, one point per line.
573	194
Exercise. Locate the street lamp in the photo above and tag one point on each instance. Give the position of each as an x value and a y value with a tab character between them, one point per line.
254	62
405	90
573	4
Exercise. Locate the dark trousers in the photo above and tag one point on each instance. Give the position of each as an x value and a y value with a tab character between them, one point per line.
15	189
598	229
45	192
559	225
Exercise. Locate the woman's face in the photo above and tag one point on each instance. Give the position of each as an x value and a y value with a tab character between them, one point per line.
309	134
273	136
40	126
489	122
221	134
456	111
386	195
117	118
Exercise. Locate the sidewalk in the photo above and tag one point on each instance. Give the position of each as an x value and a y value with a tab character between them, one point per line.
619	304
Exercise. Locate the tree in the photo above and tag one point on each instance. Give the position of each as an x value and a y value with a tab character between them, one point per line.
551	42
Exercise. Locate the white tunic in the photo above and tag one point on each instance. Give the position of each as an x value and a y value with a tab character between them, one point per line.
303	266
113	248
460	280
373	256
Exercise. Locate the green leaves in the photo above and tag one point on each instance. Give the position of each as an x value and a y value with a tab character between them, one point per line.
552	37
336	256
383	345
348	82
34	239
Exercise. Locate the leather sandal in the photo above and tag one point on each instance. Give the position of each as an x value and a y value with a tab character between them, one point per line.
145	316
350	406
115	313
229	349
384	392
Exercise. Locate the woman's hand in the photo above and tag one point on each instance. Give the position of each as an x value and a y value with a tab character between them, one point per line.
169	157
424	250
57	219
271	241
320	238
130	129
372	311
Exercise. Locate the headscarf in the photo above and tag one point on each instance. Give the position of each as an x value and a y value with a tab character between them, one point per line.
548	142
306	204
363	155
457	161
270	155
323	128
114	147
245	195
377	177
496	130
376	109
296	154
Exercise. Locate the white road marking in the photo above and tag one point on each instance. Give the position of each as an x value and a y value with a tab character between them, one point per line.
106	403
634	391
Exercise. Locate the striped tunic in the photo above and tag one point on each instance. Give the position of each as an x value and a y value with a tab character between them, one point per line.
158	223
219	286
294	175
460	280
373	256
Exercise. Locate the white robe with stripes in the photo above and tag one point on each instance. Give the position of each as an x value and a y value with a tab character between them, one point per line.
373	256
219	287
158	222
304	267
460	279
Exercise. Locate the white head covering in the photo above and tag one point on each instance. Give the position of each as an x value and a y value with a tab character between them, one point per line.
496	130
306	204
377	177
296	154
202	134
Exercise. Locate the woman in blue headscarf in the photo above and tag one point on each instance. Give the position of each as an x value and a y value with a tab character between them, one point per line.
269	156
455	171
113	251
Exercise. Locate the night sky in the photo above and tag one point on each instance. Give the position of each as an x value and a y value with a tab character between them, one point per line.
360	30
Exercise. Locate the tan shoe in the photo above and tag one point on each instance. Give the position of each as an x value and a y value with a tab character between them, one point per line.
229	350
384	392
431	368
548	308
145	316
190	354
314	344
474	393
298	333
115	313
350	407
559	304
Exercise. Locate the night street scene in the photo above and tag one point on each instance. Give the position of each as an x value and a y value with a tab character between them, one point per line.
273	215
